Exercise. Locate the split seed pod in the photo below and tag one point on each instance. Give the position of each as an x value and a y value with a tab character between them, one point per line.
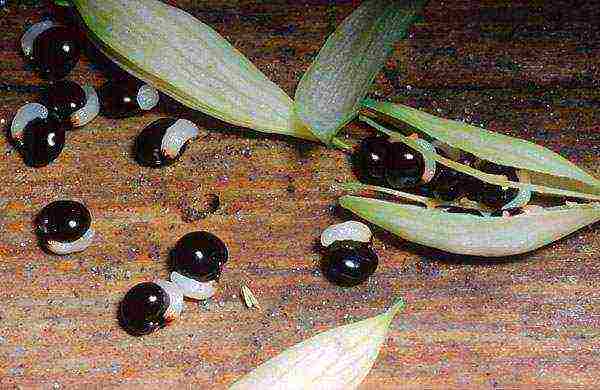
336	359
189	61
474	235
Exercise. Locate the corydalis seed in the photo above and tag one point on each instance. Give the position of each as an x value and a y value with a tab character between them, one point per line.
64	227
72	103
162	142
126	97
53	48
143	309
199	256
349	263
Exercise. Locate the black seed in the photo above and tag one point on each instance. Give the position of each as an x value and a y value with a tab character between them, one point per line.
143	308
404	166
349	263
200	256
492	195
463	210
63	221
56	52
148	150
511	212
368	160
42	141
448	184
63	98
118	99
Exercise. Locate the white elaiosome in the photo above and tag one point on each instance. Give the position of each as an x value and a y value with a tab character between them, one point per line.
430	165
177	135
338	359
192	288
349	230
175	294
32	33
24	115
63	248
90	111
147	97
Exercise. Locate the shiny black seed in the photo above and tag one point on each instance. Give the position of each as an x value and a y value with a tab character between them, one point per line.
511	212
42	141
368	160
148	150
492	195
63	221
63	98
200	256
118	98
448	184
349	263
56	52
404	166
463	210
143	308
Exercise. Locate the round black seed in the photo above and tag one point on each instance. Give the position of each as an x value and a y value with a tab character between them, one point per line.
511	212
349	263
143	308
463	210
148	151
63	98
492	195
56	52
200	256
41	141
404	166
63	221
368	159
118	99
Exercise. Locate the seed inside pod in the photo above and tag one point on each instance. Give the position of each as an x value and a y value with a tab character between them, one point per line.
40	138
492	195
163	141
199	256
369	158
55	50
349	263
144	308
350	230
404	166
463	210
126	97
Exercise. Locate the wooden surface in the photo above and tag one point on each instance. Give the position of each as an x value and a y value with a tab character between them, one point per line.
525	68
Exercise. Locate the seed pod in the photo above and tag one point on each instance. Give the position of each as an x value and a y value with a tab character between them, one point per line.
474	235
163	141
338	359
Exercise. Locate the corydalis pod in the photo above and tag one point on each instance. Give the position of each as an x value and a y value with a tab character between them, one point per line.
474	235
336	359
189	61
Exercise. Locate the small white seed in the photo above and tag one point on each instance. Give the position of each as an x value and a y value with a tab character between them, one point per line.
350	230
193	289
90	111
175	299
79	245
24	115
32	33
177	135
147	97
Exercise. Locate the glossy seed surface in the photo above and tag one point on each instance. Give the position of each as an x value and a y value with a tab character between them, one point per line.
148	145
369	159
349	263
200	256
41	141
492	195
404	166
118	98
142	311
56	51
63	221
63	98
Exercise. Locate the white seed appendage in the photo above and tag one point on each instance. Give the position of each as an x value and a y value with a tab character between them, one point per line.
193	289
175	294
177	135
79	245
350	230
33	32
430	164
24	115
147	97
90	111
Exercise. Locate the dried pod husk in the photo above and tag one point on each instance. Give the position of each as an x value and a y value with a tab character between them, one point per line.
547	172
336	359
330	92
177	54
474	235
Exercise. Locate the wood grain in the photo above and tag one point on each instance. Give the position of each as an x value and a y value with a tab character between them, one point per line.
525	68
